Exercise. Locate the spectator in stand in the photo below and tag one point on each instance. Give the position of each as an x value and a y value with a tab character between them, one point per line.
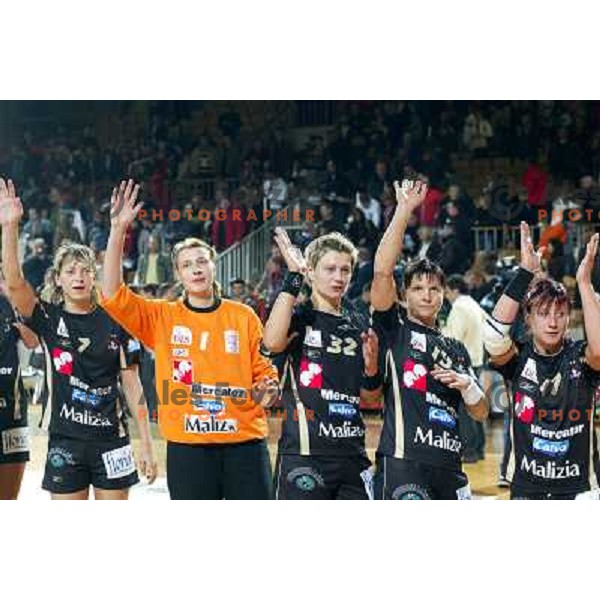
226	229
477	133
430	246
272	277
334	184
360	231
380	180
362	304
429	211
98	230
36	265
154	267
369	206
363	272
238	290
37	227
65	229
328	222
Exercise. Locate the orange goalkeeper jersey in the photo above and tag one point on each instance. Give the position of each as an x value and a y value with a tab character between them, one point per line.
206	362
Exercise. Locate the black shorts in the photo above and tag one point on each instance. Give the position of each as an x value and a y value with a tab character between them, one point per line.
73	465
518	493
321	477
402	479
14	443
219	471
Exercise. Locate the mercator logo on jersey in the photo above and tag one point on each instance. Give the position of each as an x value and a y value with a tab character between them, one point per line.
183	372
63	361
550	469
196	424
524	408
415	376
311	374
445	441
181	335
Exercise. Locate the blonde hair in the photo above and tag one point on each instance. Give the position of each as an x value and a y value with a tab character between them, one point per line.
332	241
195	243
51	291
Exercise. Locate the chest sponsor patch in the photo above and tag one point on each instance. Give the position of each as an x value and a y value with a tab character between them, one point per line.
313	338
63	361
232	341
119	462
181	335
530	370
183	372
311	374
414	376
418	341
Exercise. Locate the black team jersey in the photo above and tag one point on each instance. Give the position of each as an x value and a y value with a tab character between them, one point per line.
552	400
325	365
420	418
84	355
13	406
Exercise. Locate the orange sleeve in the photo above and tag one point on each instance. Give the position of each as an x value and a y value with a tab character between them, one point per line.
139	316
261	365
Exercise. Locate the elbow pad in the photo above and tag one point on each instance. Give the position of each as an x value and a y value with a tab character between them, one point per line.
496	338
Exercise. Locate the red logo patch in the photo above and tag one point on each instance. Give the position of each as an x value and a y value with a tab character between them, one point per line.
311	374
524	408
183	372
415	376
63	361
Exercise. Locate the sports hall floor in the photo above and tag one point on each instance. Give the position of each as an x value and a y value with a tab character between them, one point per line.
482	475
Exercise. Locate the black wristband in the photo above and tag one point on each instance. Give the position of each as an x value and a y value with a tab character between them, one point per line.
371	382
517	287
292	283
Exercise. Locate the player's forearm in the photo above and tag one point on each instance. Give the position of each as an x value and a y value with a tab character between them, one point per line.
13	273
390	247
136	401
275	336
591	317
112	276
479	411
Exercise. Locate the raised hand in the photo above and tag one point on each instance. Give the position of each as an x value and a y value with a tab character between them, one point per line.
123	209
265	392
410	194
586	267
294	259
450	378
370	349
11	209
530	258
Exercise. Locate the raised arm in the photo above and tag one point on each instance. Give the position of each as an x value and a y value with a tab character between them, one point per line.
496	336
590	303
383	289
123	212
20	293
277	327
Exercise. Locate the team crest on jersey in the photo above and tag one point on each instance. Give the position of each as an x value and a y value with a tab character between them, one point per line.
62	330
524	408
418	341
311	374
183	372
63	361
415	376
530	370
313	338
181	335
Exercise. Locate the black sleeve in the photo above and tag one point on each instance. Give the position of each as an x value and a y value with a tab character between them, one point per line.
507	370
40	320
131	350
387	324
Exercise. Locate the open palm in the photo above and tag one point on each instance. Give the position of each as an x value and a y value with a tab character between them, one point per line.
123	207
11	209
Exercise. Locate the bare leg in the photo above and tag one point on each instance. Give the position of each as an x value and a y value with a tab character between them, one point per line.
11	476
101	494
80	495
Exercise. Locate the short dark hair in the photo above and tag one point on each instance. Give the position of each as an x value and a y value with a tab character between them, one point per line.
422	268
237	280
457	283
543	293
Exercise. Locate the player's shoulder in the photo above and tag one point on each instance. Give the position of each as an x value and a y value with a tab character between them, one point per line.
242	311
